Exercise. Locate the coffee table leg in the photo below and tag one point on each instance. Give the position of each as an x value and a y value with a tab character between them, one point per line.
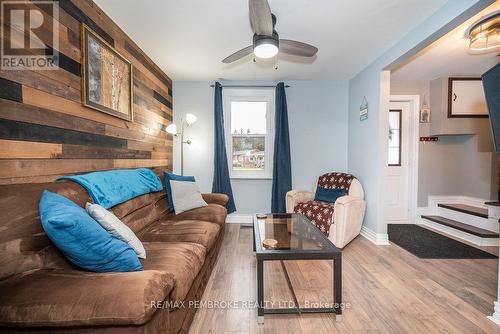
337	287
260	291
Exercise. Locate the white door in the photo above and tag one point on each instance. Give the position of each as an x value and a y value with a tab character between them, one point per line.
398	204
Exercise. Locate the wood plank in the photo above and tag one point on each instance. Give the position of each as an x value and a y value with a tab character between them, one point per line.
142	80
44	100
387	290
10	90
14	130
38	81
95	152
136	163
468	209
27	168
12	149
45	131
44	33
113	131
482	233
16	111
122	39
139	145
79	15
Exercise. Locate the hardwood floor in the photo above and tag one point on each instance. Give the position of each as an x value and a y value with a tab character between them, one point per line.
388	290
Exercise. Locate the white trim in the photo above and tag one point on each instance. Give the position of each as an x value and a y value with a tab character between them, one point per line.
250	95
495	317
378	239
490	223
239	219
434	200
414	134
458	234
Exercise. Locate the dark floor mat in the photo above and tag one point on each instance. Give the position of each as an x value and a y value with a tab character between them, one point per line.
427	244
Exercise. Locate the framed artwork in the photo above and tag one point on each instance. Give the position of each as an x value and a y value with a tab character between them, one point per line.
107	77
363	110
425	115
466	98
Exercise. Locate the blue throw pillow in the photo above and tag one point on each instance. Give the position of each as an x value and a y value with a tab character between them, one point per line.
81	239
174	177
328	195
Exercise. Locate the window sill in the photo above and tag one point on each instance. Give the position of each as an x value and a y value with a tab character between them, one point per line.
250	178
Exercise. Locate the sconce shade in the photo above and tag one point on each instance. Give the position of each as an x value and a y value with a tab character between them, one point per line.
190	119
172	129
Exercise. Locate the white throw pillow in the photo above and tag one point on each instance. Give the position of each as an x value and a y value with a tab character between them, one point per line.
186	196
116	227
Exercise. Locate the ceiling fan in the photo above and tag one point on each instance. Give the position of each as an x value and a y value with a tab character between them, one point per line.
266	41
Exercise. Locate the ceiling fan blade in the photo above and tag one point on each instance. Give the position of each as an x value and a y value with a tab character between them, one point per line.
260	17
238	54
297	48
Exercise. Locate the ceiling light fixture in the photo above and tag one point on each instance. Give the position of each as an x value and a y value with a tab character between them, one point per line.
265	46
484	34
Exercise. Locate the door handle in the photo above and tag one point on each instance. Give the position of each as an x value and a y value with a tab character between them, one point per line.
454	97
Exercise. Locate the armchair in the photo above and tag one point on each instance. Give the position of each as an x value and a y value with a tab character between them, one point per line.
340	221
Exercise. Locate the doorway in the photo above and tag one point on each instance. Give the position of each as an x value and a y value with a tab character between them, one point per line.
402	159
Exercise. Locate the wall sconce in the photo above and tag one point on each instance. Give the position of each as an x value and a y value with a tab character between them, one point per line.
187	120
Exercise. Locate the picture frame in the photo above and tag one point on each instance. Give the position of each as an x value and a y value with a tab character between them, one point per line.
363	110
425	115
106	77
466	98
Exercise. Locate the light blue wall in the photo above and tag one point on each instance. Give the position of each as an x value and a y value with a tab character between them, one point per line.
317	112
366	145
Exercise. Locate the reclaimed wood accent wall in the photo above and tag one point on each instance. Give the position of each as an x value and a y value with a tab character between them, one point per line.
45	131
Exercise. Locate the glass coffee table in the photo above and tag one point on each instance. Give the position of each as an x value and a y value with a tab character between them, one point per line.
280	237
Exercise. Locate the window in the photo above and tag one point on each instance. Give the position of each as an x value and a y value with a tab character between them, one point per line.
394	138
248	118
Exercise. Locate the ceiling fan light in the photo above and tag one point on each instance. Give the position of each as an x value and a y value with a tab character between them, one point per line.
265	48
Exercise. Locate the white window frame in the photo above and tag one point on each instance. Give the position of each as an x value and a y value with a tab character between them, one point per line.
230	95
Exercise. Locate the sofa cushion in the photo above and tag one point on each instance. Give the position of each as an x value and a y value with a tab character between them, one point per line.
58	298
174	177
82	240
197	231
213	213
116	227
182	260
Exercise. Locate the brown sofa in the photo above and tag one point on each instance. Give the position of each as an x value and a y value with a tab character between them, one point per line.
40	291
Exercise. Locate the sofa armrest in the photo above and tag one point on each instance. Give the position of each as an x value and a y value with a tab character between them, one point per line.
57	298
215	198
349	213
293	197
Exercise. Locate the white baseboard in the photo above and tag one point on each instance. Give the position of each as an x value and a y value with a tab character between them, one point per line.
496	315
458	234
239	219
378	239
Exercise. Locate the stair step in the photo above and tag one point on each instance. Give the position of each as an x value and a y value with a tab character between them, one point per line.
469	209
462	227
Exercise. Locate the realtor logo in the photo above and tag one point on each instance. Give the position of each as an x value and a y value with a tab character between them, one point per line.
30	35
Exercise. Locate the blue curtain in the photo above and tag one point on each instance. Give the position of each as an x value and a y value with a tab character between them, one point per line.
282	170
221	183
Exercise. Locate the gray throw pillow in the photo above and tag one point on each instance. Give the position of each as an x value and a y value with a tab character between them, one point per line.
116	227
186	196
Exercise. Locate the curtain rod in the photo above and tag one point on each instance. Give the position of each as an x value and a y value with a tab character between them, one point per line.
249	86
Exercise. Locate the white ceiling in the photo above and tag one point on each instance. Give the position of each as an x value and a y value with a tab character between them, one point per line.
189	38
449	56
